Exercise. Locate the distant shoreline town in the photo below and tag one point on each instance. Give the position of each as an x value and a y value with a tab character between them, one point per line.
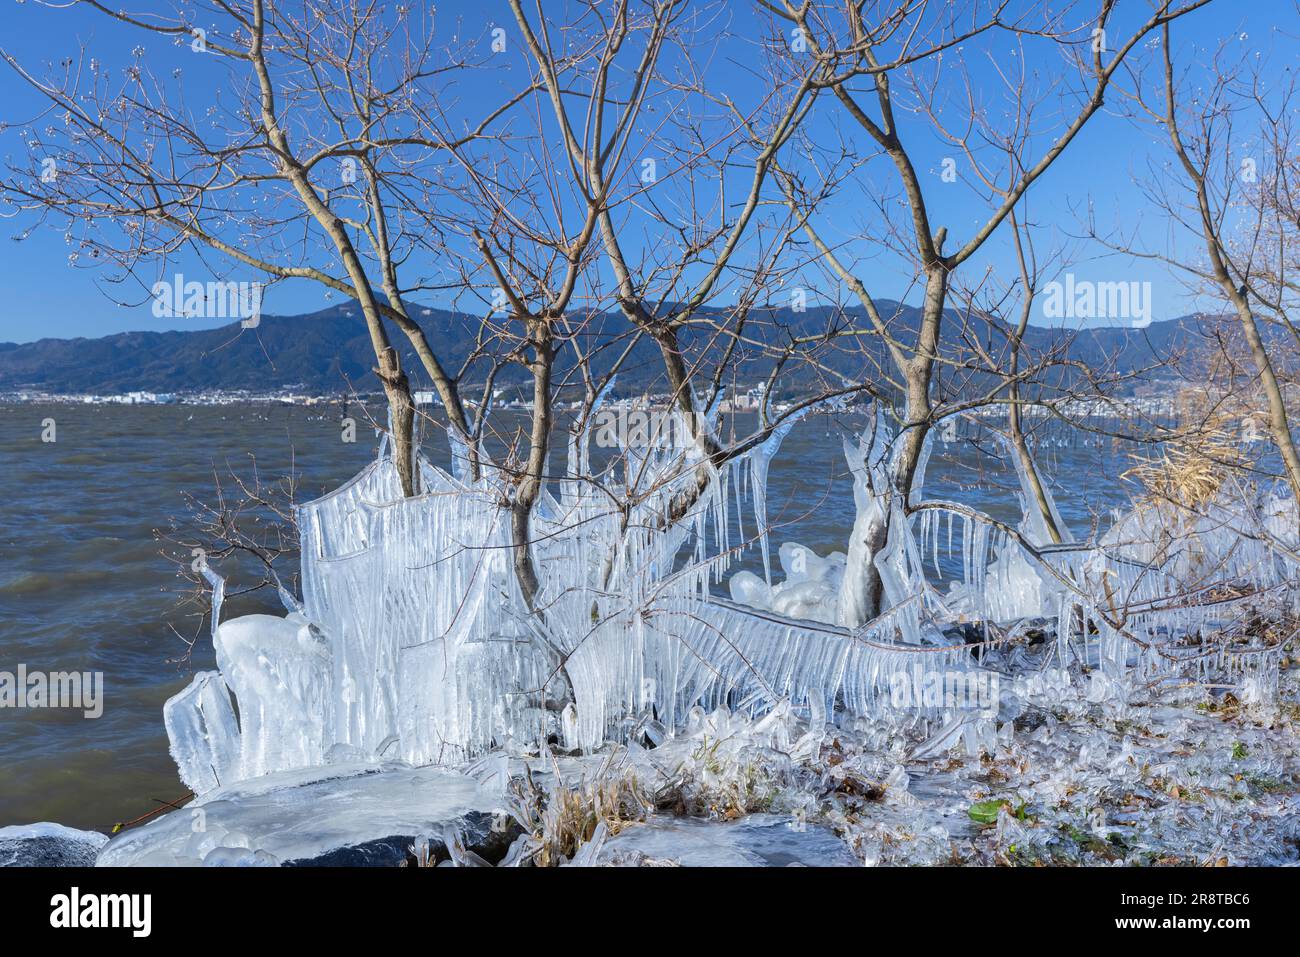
750	400
208	397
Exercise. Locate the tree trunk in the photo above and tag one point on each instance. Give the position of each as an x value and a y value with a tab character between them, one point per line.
397	389
530	482
1277	417
864	600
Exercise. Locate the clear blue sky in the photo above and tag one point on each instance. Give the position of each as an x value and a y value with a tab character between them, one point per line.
44	296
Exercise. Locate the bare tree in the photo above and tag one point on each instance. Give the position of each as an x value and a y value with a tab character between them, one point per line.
336	119
1242	209
872	44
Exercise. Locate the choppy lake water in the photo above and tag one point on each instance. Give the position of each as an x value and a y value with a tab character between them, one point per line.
83	586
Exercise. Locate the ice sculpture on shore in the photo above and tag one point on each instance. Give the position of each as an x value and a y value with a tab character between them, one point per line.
413	642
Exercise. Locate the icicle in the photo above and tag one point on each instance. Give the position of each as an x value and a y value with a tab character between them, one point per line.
287	599
412	641
218	595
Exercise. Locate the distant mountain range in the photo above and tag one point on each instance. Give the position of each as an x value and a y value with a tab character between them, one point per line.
329	352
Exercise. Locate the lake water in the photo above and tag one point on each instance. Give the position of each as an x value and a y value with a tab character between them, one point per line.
84	586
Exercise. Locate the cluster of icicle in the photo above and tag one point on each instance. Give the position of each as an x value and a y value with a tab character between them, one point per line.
412	640
1167	592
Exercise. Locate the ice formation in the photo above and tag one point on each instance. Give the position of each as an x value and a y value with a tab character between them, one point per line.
412	641
811	588
757	840
307	816
48	845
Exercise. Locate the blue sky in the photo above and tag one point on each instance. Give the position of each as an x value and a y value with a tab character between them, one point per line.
44	296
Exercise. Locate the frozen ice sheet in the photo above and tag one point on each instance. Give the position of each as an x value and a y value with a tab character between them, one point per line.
48	845
304	815
759	840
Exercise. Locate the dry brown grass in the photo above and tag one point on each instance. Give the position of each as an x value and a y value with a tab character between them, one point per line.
562	818
1190	472
574	814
